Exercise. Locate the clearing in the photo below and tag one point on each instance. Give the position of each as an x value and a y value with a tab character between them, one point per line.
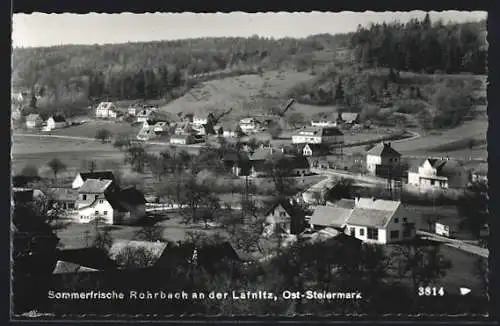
245	93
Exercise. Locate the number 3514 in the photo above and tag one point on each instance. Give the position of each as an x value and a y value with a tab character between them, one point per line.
431	291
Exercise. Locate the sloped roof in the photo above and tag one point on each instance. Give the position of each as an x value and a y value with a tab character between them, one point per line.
349	116
384	149
58	118
155	248
318	147
292	209
446	167
90	257
132	196
345	203
94	186
330	216
321	131
98	175
64	267
370	217
64	194
378	204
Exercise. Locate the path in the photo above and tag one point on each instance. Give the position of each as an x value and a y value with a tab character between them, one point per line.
459	244
349	175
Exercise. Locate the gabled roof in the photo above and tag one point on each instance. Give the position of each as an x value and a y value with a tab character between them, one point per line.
318	147
349	116
98	175
370	217
444	167
384	149
292	210
378	204
123	198
345	203
58	118
105	105
64	267
94	186
321	131
64	194
330	216
90	257
155	248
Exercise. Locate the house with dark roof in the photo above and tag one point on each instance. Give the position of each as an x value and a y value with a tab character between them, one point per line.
318	135
91	257
185	139
106	110
56	122
97	199
285	216
433	173
370	220
65	198
297	165
81	177
349	117
384	161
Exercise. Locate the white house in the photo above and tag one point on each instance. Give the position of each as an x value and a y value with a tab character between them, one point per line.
313	135
106	110
98	201
146	133
323	123
249	125
144	114
81	177
435	173
382	160
284	216
315	150
56	122
199	121
181	139
132	111
33	121
371	220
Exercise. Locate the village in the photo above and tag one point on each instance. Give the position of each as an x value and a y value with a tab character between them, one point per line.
205	189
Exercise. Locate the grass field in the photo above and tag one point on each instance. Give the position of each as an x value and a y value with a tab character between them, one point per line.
90	128
245	94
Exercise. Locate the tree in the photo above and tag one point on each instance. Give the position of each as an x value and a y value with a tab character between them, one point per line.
296	119
103	135
29	171
344	188
56	165
279	168
131	258
274	130
103	240
136	156
473	207
150	233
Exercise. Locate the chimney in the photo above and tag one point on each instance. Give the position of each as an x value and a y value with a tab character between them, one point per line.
282	149
356	199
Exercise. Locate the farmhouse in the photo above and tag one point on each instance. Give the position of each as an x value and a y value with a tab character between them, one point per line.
237	162
445	230
435	173
98	201
90	257
371	220
81	177
297	165
146	133
349	118
56	122
383	161
285	216
33	121
315	150
106	110
480	173
313	135
15	112
249	125
65	198
181	139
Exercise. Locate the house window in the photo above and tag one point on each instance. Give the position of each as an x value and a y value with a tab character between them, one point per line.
71	205
372	233
282	214
84	197
395	234
105	212
96	196
405	220
362	232
352	231
96	212
407	232
396	220
433	182
101	201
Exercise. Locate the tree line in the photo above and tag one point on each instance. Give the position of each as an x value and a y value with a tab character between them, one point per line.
423	46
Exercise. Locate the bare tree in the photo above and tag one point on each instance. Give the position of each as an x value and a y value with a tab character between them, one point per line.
56	165
150	233
30	171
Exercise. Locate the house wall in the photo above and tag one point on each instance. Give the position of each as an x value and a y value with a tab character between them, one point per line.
413	178
459	179
278	218
88	199
428	183
303	139
371	163
397	223
178	141
300	172
307	151
78	182
361	232
34	124
102	210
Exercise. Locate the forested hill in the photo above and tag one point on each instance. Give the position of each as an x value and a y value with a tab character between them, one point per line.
423	46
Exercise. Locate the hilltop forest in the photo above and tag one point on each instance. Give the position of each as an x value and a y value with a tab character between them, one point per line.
75	76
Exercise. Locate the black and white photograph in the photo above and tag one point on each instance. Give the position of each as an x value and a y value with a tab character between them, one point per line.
281	164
